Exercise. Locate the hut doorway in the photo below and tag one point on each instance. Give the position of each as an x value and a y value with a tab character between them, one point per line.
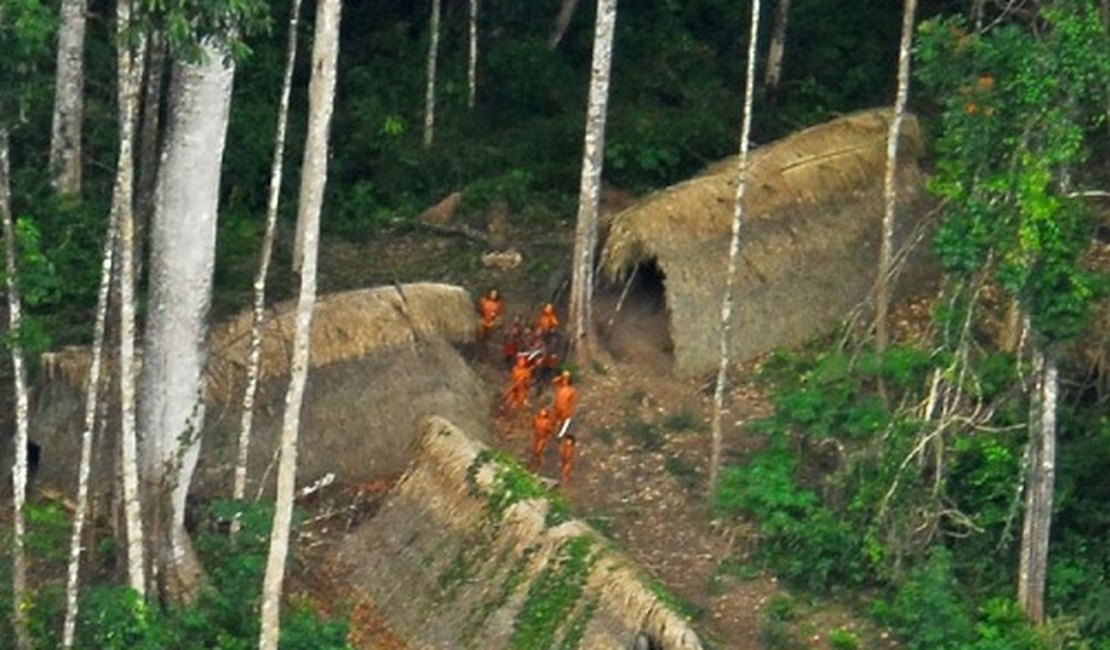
637	328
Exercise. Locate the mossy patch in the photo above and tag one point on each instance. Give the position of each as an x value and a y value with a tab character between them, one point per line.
553	595
511	484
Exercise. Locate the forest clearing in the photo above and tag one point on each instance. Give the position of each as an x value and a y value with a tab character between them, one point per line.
551	325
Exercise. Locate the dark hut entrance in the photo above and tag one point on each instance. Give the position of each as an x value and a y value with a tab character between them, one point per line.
637	327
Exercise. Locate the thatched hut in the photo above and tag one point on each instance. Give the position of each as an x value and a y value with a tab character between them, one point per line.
381	360
467	552
809	242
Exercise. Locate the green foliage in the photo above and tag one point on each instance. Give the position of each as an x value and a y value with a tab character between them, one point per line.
804	542
928	611
1019	103
26	34
512	483
188	23
843	640
553	595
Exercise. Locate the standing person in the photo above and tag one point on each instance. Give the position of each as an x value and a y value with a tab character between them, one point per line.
543	425
547	322
567	446
566	398
490	308
516	397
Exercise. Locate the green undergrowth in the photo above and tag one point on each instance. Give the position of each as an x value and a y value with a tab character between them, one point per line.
512	483
552	598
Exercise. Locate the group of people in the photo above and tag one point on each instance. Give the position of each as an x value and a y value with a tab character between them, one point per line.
530	351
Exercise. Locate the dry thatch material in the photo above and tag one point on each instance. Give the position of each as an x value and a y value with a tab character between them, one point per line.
449	569
345	326
379	364
809	243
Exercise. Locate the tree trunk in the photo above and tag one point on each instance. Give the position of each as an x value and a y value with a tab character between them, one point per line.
150	140
775	52
183	247
593	159
1039	485
890	196
273	199
430	90
130	76
19	449
69	90
716	433
314	172
472	67
91	402
562	22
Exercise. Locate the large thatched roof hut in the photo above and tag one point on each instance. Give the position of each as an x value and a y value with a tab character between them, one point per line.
381	360
809	242
468	552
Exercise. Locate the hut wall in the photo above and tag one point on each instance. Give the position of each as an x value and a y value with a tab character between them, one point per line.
447	570
378	367
801	273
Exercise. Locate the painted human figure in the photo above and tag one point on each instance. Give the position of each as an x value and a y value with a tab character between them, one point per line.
490	308
516	397
566	398
543	425
567	446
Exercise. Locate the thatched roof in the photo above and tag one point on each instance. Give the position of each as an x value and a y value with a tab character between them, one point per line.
826	162
345	325
810	228
452	558
378	366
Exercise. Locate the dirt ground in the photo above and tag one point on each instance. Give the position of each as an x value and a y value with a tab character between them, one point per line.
643	456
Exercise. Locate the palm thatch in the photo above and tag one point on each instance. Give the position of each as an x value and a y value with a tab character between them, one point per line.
809	241
381	360
453	560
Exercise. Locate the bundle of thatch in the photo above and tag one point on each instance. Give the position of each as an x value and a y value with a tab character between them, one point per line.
809	242
345	326
381	360
454	559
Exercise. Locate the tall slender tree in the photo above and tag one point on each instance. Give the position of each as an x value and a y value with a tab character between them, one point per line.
183	247
562	22
130	73
314	172
725	342
272	200
582	328
776	51
430	82
92	387
472	61
890	195
69	100
19	467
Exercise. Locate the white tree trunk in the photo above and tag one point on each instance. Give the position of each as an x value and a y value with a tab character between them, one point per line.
776	50
183	253
716	432
593	159
890	195
1039	487
430	89
562	22
130	76
472	66
239	488
69	90
91	394
314	173
19	449
149	142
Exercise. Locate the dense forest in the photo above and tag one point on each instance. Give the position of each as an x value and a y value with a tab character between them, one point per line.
952	453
